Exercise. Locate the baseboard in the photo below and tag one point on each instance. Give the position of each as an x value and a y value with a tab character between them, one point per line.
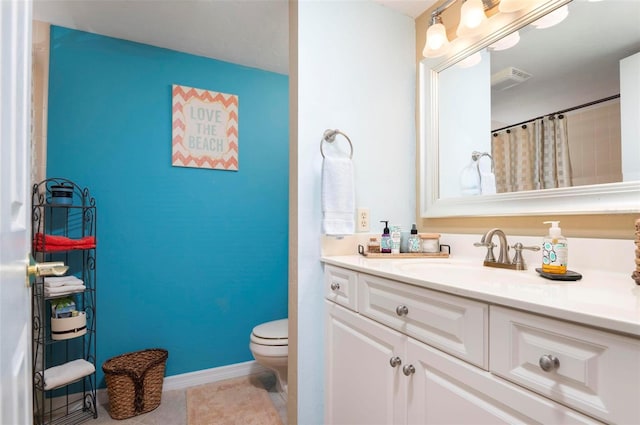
201	377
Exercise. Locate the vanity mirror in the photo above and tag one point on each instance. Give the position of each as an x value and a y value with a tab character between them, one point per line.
479	90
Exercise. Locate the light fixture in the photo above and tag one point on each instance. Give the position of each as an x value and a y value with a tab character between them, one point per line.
506	42
472	18
552	18
437	43
474	22
509	6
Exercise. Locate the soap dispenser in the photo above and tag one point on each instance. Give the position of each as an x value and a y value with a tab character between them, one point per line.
555	251
385	241
414	240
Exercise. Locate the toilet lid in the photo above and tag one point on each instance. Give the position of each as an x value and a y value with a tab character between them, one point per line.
277	329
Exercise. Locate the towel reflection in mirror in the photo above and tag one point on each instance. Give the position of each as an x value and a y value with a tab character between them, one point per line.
478	178
532	156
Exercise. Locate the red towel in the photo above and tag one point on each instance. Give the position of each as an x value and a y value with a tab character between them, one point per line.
61	243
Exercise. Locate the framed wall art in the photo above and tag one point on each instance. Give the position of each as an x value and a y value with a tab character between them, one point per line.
205	129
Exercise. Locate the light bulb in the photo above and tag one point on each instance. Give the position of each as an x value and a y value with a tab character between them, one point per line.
436	36
437	43
471	18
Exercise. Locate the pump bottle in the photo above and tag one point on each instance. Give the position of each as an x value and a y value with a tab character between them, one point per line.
414	240
555	250
385	241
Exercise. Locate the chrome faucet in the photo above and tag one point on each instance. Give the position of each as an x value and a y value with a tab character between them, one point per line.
503	258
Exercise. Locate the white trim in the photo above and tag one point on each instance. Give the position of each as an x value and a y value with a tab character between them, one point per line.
206	376
201	377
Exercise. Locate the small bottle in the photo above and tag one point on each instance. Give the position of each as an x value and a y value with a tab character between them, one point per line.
396	238
373	246
414	240
555	250
385	241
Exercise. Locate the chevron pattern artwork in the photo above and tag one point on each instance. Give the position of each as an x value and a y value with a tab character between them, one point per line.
205	129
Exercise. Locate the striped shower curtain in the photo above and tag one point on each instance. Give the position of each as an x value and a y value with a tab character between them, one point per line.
532	156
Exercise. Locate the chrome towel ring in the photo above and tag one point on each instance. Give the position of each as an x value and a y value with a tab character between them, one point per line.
329	136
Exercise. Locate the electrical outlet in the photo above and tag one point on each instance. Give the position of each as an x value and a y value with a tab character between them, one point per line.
363	220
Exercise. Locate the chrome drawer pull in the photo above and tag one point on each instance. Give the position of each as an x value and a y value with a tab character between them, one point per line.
408	370
402	310
335	286
395	361
549	362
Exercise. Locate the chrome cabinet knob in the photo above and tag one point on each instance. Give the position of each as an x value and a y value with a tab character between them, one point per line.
402	310
408	370
549	362
395	361
335	286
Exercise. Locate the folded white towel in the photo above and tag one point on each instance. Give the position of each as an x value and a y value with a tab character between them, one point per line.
487	183
338	196
66	373
66	289
53	282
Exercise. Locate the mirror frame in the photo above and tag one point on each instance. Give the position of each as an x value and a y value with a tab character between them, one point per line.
611	198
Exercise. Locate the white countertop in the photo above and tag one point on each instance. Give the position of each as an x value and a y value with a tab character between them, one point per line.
603	299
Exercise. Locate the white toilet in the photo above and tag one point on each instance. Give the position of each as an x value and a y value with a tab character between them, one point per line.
270	347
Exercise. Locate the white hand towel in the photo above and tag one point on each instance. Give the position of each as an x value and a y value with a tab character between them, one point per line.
53	282
66	373
66	289
338	196
487	183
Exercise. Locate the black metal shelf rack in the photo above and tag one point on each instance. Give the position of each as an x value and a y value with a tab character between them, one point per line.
74	218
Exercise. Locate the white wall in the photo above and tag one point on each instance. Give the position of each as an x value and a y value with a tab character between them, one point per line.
356	73
629	113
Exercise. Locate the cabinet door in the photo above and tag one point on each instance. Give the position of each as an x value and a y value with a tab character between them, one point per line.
445	390
361	385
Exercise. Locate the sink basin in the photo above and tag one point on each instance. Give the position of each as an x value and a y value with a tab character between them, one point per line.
426	266
463	270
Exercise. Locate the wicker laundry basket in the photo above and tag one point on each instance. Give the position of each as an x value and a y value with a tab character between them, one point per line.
134	382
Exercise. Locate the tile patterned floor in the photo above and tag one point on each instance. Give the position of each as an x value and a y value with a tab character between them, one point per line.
173	408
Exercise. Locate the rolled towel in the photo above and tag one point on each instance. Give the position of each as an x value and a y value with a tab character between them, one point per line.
66	373
54	282
338	196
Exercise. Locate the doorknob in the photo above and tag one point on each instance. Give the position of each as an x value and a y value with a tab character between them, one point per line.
52	268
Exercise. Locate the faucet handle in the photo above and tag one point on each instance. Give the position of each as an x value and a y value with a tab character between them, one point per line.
489	245
518	260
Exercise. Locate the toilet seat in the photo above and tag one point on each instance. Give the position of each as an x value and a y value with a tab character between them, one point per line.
274	333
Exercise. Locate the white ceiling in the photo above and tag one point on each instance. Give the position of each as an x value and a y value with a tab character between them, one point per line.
253	33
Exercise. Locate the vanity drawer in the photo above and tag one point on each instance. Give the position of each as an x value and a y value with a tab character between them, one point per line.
596	372
340	286
452	324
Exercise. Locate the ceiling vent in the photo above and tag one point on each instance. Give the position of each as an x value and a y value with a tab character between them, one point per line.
508	77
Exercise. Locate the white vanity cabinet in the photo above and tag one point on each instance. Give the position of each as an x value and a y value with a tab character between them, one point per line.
426	364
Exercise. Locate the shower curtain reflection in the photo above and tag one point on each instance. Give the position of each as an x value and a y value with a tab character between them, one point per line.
532	156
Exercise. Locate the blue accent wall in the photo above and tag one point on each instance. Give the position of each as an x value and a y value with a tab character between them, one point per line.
188	259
